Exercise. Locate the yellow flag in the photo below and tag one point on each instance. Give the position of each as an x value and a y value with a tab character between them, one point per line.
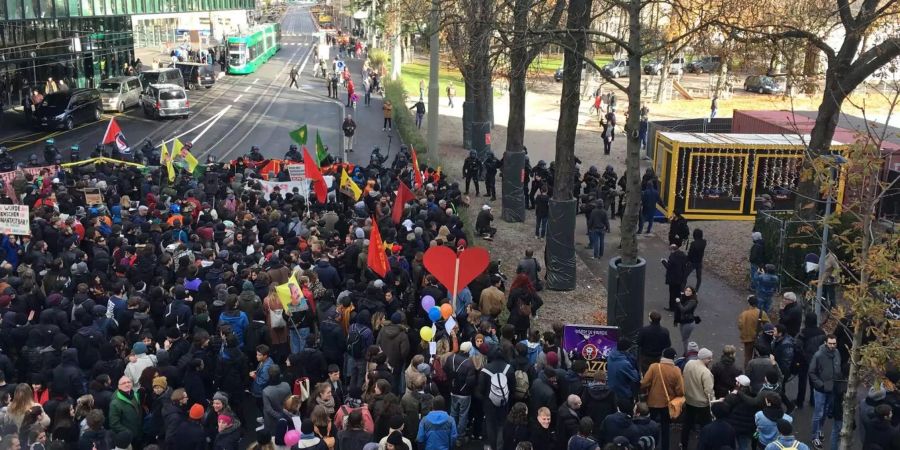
178	149
164	158
348	186
288	291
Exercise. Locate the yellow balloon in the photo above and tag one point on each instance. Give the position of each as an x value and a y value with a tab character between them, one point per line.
426	333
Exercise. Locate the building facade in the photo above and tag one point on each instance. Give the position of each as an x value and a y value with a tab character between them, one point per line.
78	42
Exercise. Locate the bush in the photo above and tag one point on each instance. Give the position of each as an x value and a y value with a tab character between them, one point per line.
403	118
377	59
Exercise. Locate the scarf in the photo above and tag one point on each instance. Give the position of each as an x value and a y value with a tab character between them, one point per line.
328	405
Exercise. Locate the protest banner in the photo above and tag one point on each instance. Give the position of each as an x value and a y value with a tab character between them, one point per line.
297	172
92	196
285	187
591	343
14	220
7	177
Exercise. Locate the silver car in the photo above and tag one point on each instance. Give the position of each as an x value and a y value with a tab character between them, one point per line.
120	93
165	100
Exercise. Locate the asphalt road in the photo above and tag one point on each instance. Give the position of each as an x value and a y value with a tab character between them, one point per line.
226	120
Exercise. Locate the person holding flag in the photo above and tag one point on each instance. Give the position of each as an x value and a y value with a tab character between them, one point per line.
348	186
184	151
114	135
403	195
166	160
315	175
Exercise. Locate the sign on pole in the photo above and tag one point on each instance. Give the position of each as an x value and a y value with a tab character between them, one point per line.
297	172
14	220
92	196
591	343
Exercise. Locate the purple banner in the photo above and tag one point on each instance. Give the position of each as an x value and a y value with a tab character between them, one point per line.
591	343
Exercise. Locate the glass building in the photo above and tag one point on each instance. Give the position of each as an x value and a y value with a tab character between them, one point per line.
78	42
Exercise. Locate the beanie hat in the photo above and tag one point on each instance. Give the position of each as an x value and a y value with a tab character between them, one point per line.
247	286
465	347
756	236
704	353
226	419
395	438
160	382
669	353
484	348
397	317
552	359
424	369
396	422
693	347
221	396
196	412
139	348
122	439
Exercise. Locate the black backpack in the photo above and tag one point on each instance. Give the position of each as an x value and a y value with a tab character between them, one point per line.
355	343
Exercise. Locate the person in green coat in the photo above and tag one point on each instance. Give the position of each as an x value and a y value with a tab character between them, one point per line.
125	412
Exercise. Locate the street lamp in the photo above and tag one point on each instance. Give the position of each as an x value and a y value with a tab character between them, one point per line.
838	160
34	68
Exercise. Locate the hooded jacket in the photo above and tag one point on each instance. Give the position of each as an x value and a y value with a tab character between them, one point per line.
328	275
394	341
230	438
623	375
437	431
599	401
68	376
824	369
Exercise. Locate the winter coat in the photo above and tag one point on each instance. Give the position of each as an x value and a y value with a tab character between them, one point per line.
328	275
756	370
172	415
824	369
126	414
623	376
416	405
660	378
792	318
354	439
767	424
394	342
134	369
598	402
614	425
743	411
724	372
273	399
676	268
716	435
541	394
437	431
758	253
68	375
750	321
566	425
698	384
652	340
191	436
228	439
491	301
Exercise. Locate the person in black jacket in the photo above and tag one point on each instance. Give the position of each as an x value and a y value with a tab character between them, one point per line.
599	401
471	167
567	421
190	433
651	341
494	415
678	230
541	213
676	273
695	256
717	434
543	393
229	435
68	377
791	314
810	338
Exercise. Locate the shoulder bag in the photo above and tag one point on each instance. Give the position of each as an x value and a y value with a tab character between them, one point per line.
676	405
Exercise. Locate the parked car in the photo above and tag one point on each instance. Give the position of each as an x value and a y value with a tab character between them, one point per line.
762	84
165	100
676	66
161	76
196	74
558	75
120	93
617	68
68	109
706	64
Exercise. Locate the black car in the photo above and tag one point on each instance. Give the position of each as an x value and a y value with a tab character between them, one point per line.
196	74
558	75
69	109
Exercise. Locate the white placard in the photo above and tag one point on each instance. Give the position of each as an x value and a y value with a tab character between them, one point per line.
14	220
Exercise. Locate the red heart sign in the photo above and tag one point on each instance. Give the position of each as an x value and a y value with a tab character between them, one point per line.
441	262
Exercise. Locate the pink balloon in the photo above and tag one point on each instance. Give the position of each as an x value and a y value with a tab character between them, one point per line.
291	438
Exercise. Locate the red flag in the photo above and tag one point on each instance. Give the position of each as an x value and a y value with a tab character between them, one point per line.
377	259
314	174
417	173
403	195
112	130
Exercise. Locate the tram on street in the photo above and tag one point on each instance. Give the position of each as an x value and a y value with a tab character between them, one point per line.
246	53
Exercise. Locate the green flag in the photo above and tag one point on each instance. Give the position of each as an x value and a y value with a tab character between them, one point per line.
321	153
299	135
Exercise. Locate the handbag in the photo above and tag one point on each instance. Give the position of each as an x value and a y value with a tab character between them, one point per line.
676	405
276	318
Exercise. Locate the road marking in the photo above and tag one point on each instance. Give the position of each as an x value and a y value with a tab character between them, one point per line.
248	88
237	98
254	81
218	116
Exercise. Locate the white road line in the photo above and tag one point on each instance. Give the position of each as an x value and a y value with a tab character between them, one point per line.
237	98
248	88
211	123
254	81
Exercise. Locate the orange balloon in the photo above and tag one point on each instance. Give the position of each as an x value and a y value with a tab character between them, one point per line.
446	311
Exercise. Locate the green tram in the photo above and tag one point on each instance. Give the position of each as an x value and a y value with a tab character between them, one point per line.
248	52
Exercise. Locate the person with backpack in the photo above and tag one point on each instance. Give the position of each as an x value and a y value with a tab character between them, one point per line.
359	338
522	303
494	384
352	403
463	379
437	430
416	403
178	313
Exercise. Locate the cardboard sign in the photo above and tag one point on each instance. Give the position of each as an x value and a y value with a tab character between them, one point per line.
591	343
92	196
14	220
285	187
297	172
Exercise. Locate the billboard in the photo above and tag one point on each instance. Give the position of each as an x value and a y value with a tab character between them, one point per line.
591	343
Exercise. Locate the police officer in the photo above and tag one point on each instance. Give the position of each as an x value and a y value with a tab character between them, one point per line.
470	171
293	154
490	175
255	155
539	176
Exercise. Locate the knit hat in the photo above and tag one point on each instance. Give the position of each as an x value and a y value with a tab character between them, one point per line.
395	438
247	286
704	353
693	347
139	348
465	347
396	422
226	419
484	348
743	380
552	359
669	353
221	396
196	412
160	381
424	369
756	236
397	317
877	393
122	439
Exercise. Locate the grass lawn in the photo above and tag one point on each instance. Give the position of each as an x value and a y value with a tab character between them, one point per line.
415	71
548	63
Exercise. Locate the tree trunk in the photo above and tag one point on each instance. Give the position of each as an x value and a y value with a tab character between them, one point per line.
560	250
633	156
514	159
820	143
663	75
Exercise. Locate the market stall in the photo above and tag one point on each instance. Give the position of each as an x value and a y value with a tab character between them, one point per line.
724	176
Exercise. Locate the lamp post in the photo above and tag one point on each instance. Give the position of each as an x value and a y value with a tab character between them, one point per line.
826	231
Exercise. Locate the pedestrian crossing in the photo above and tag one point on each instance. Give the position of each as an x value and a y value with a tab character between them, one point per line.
300	44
